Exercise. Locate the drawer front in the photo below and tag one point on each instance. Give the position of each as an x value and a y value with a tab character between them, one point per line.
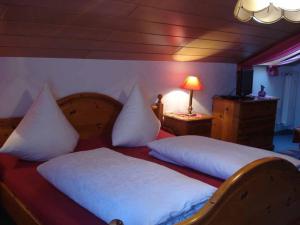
257	109
174	126
202	128
257	132
257	141
296	137
180	127
263	126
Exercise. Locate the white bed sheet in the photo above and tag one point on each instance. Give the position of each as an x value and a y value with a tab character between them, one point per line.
214	157
115	186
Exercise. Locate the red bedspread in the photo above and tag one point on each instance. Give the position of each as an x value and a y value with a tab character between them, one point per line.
51	206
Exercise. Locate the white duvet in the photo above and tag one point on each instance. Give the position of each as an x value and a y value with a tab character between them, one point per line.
114	186
214	157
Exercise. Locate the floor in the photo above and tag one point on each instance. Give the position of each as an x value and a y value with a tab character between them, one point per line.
283	142
4	219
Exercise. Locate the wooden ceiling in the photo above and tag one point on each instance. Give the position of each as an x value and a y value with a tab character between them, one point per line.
180	30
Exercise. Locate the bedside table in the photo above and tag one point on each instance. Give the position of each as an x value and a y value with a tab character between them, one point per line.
181	124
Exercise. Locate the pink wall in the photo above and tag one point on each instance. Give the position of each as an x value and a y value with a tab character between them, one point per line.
22	78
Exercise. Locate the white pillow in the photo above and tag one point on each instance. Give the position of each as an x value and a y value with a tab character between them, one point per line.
43	133
136	124
214	157
107	184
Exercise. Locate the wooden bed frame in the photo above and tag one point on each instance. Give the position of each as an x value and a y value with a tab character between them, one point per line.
265	192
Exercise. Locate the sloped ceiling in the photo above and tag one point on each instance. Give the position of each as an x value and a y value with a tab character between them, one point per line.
179	30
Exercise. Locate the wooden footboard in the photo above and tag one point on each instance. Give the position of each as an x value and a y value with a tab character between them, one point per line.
265	192
18	211
15	208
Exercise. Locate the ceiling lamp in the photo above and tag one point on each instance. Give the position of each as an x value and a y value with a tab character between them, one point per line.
267	11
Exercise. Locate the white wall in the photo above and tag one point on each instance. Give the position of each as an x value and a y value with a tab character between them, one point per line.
22	78
286	87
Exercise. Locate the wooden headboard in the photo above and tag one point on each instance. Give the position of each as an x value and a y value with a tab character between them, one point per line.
91	114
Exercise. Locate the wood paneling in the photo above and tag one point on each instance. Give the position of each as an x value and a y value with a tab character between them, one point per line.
185	30
221	10
163	16
52	31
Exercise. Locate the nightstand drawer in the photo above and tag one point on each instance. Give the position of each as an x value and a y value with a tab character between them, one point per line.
196	126
203	128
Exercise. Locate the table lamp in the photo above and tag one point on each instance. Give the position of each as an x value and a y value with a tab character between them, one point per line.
191	83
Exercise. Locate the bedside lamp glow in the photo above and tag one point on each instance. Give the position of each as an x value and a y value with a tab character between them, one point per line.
191	83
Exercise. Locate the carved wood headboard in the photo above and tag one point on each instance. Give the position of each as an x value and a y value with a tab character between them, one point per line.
91	114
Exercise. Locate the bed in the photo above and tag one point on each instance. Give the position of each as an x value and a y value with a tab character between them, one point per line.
266	191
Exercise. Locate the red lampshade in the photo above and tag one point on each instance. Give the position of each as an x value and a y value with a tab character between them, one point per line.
192	83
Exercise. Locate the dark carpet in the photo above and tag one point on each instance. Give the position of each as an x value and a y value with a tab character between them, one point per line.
4	218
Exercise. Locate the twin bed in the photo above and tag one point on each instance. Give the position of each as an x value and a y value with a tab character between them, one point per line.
266	191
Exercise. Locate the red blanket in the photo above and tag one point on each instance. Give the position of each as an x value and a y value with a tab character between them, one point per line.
51	206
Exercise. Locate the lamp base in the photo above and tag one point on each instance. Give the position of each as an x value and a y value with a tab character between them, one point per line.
190	108
191	114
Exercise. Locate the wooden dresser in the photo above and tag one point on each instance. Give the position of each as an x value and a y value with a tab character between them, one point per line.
246	122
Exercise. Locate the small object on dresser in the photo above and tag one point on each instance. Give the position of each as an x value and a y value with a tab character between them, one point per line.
116	222
262	92
183	124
